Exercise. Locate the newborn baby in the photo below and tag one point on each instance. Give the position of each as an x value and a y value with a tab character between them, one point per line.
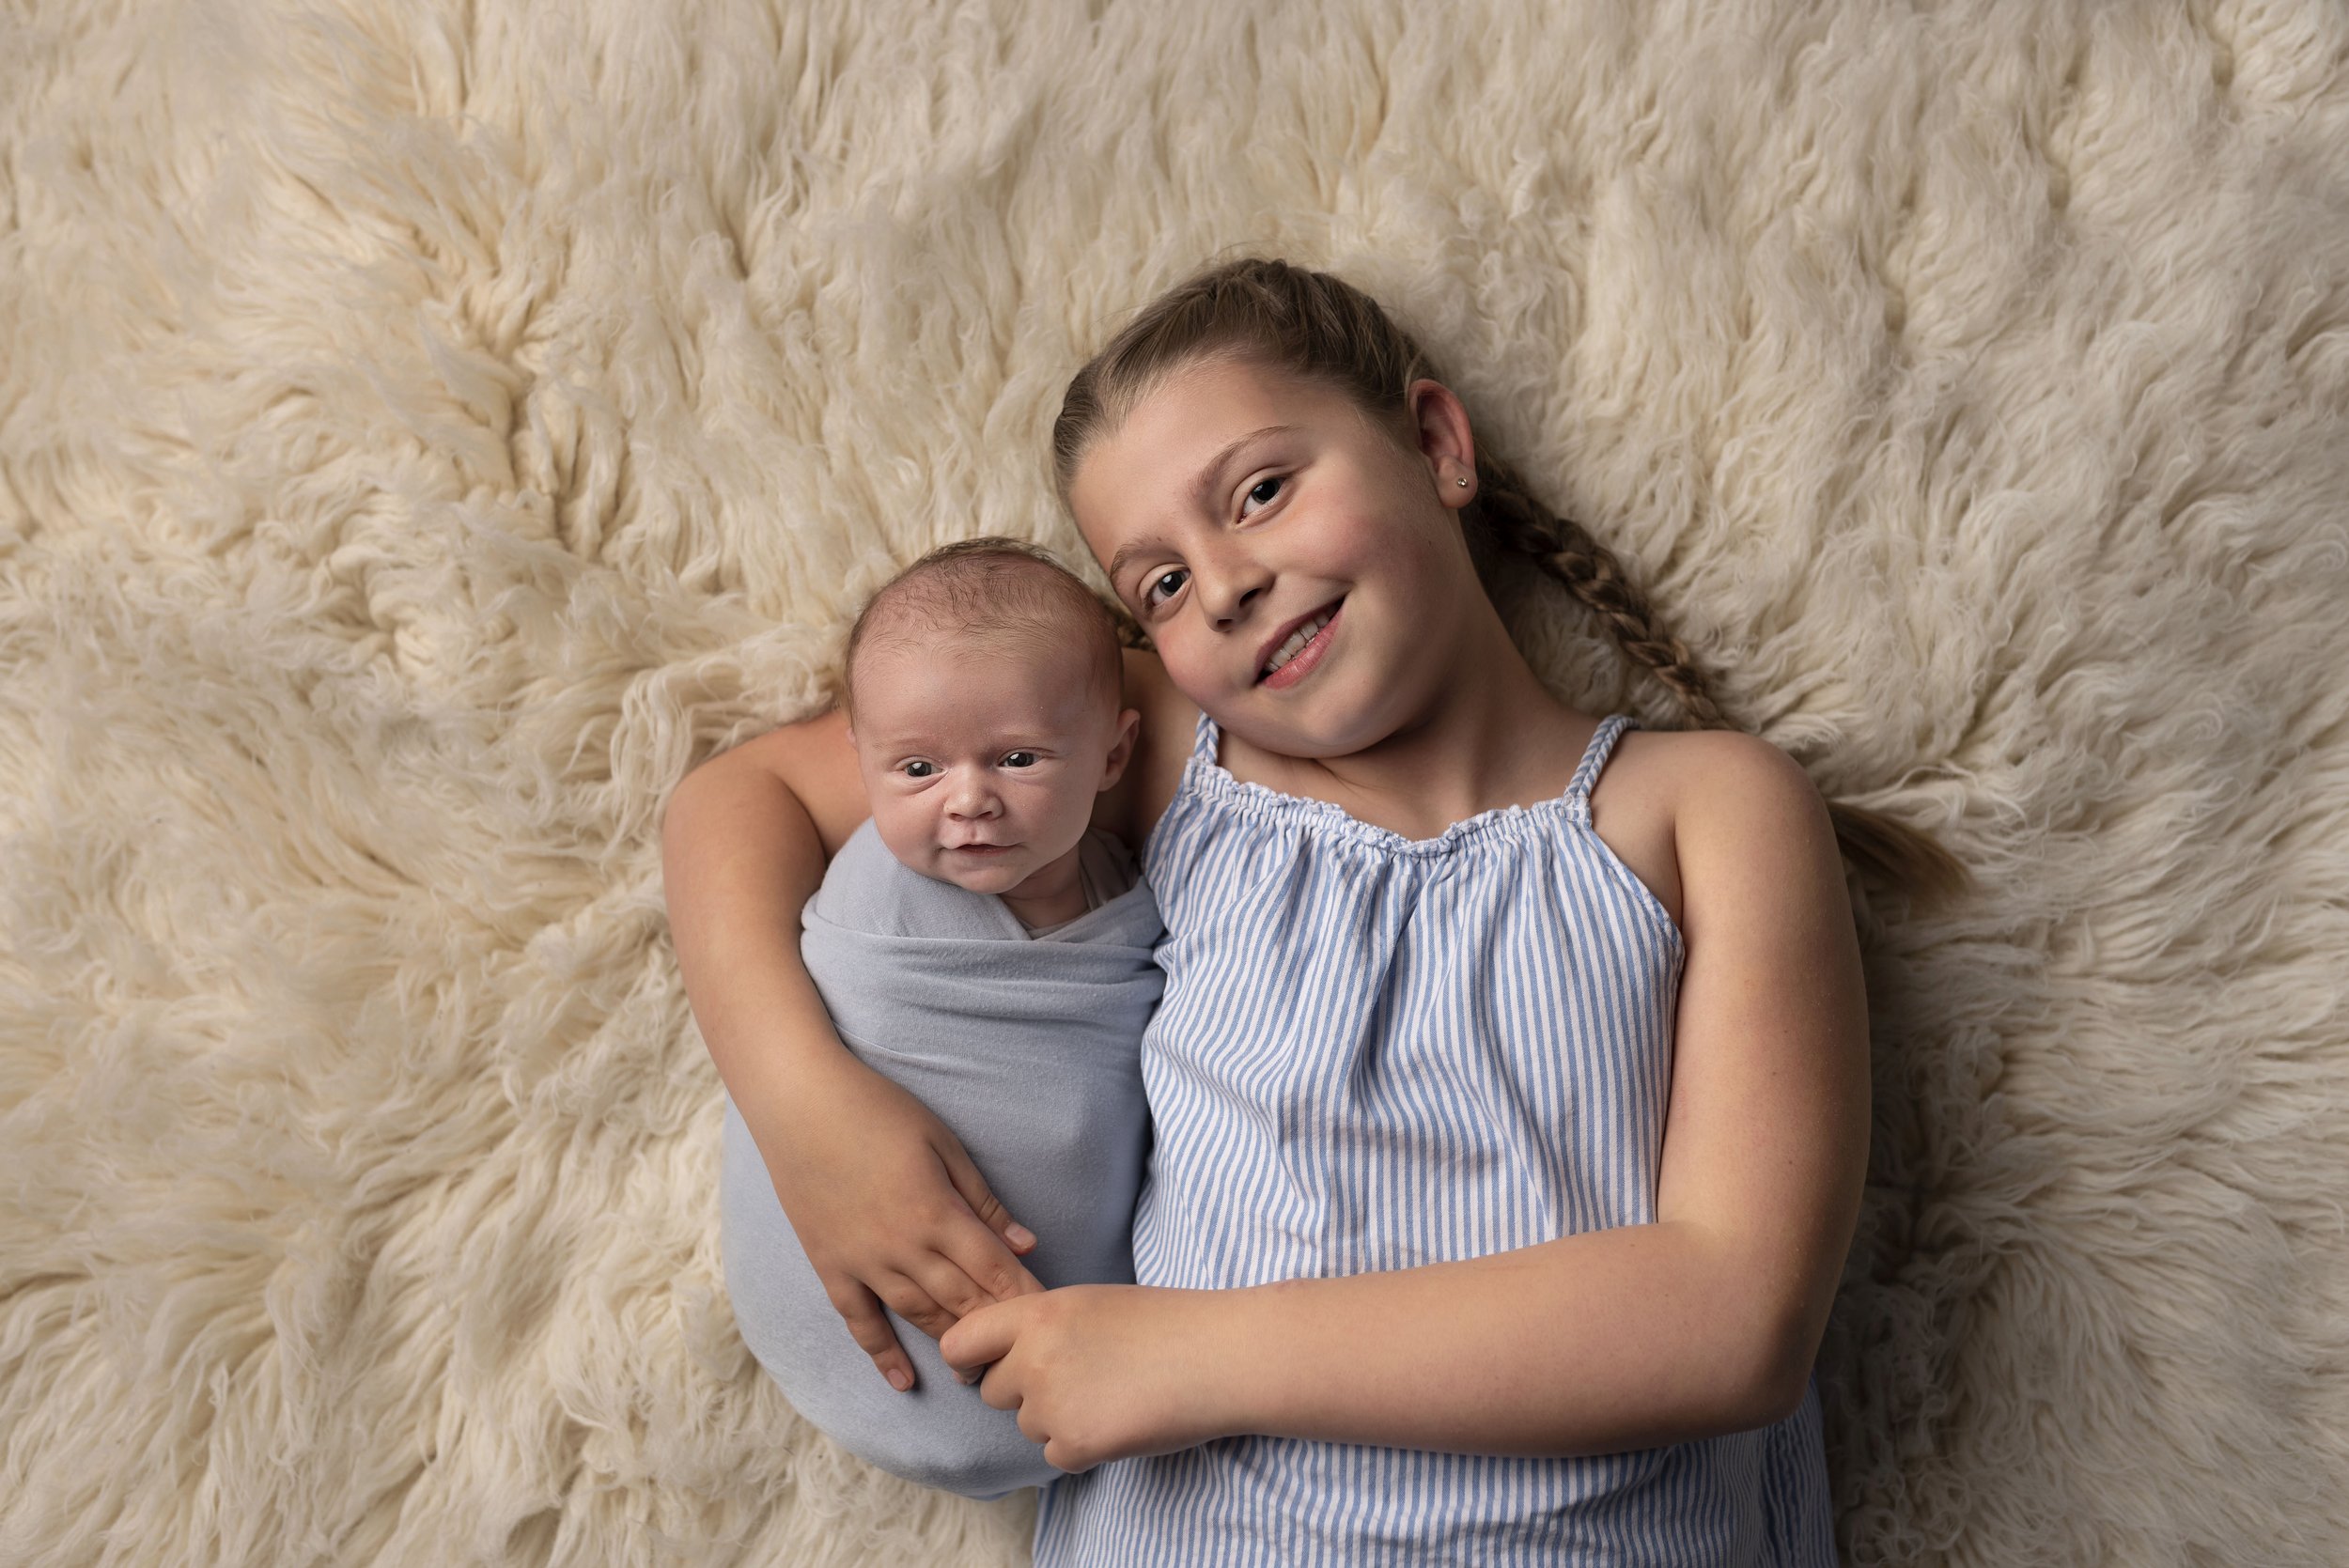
981	945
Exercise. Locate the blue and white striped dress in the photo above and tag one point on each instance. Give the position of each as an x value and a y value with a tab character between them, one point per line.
1375	1052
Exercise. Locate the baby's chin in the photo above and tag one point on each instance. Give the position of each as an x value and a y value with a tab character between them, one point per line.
994	873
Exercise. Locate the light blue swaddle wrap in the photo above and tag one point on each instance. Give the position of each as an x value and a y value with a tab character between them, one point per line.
1028	1047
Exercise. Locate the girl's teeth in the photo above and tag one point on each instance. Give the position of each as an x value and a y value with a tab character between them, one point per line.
1297	639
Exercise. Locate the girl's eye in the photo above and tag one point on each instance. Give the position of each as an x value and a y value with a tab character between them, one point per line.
920	769
1263	492
1019	759
1169	581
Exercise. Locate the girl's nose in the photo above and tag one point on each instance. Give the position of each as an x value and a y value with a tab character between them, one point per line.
1227	589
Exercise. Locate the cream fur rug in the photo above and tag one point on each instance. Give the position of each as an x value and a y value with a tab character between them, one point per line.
425	430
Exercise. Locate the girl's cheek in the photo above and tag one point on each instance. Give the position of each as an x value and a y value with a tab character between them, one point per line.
1179	667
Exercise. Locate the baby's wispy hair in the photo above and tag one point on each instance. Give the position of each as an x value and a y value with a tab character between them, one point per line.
992	586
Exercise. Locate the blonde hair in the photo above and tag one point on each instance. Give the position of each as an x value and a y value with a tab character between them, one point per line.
991	587
1320	329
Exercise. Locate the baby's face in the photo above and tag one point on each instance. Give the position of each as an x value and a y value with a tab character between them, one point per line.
981	758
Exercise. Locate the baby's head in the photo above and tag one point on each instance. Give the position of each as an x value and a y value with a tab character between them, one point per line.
983	692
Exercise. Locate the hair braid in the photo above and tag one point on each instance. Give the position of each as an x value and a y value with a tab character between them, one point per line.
1561	547
1510	512
1321	328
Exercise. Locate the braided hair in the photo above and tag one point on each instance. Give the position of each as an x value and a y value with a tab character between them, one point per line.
1321	329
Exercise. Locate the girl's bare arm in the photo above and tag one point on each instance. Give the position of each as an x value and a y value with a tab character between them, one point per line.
1707	1321
881	1195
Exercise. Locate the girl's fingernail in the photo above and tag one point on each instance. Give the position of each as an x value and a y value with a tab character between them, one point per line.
1019	1235
899	1380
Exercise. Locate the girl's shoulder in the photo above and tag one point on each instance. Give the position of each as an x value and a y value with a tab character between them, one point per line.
1681	807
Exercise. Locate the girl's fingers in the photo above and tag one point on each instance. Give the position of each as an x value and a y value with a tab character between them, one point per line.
998	1386
916	1304
869	1327
976	1192
978	1340
979	1251
948	1285
979	1256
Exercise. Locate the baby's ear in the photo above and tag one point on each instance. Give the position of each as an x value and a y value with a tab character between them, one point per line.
1122	752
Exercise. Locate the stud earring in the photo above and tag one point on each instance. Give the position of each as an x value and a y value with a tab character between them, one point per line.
1462	483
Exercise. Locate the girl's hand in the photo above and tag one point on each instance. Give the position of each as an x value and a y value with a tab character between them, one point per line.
1102	1372
883	1198
888	1208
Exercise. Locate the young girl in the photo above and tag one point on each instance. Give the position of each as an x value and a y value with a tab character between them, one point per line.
1509	1090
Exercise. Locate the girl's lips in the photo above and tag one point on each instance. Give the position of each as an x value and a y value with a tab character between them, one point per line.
1307	657
981	848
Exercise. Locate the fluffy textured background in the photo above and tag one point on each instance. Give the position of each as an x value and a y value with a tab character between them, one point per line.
429	428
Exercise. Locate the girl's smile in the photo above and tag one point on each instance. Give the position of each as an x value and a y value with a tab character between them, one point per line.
1302	647
1291	560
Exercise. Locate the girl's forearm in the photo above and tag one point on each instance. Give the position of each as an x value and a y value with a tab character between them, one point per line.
1592	1343
741	857
881	1197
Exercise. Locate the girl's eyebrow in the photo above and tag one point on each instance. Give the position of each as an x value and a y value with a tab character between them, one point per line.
1201	489
1126	551
1209	480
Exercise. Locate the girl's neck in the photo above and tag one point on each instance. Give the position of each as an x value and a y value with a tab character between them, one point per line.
1492	735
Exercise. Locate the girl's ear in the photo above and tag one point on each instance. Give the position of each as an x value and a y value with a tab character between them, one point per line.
1445	442
1129	727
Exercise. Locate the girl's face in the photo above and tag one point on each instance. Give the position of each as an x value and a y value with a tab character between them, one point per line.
1301	572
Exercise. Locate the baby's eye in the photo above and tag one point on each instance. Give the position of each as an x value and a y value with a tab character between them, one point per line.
1263	492
1019	759
920	769
1169	581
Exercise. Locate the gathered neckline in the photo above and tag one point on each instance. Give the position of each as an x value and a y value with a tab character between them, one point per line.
1205	770
1204	776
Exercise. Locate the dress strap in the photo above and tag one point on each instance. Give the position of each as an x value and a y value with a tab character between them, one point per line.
1578	796
1203	738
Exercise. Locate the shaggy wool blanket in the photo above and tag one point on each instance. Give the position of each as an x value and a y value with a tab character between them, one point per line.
429	428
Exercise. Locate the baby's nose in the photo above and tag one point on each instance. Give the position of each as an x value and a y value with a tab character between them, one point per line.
971	801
